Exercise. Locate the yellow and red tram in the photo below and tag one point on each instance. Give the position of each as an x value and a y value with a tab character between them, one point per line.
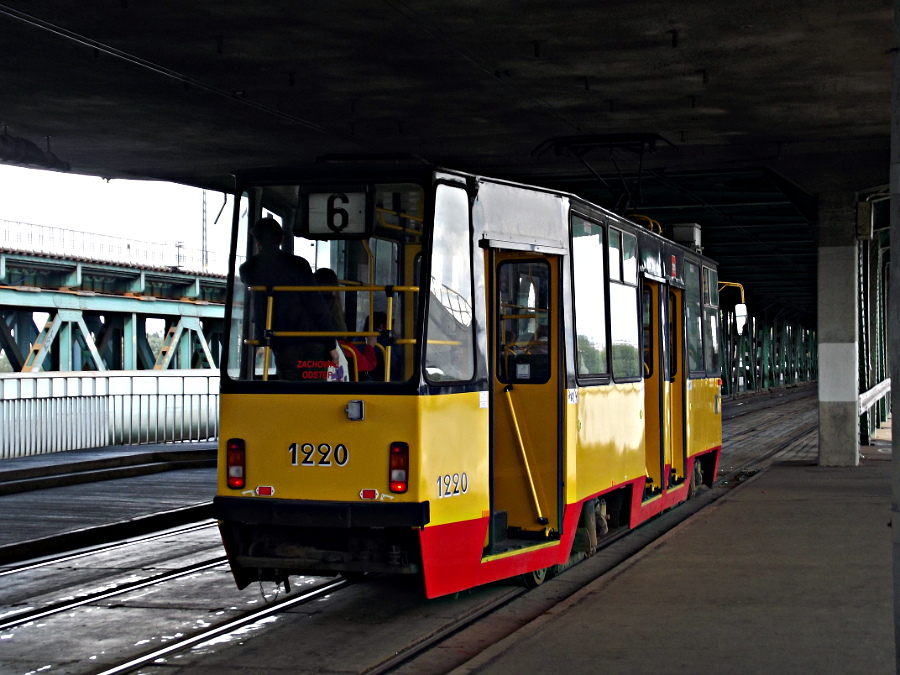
547	371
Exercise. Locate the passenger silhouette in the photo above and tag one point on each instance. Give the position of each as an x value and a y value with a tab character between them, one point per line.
296	358
366	359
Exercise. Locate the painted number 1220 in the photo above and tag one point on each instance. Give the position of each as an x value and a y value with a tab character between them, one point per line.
452	485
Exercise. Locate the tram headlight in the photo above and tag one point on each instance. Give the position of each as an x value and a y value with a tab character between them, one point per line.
236	463
399	467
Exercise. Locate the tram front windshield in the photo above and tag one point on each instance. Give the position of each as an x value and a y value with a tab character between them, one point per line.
340	270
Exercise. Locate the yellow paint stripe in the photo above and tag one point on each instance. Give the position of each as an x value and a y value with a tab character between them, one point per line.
518	551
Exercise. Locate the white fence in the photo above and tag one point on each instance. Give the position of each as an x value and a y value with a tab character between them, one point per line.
71	244
50	412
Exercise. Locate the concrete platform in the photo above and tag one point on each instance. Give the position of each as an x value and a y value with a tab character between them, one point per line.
789	573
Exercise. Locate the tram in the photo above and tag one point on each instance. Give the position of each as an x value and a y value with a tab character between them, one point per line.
548	373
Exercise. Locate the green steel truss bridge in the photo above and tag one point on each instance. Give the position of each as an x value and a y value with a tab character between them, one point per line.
73	301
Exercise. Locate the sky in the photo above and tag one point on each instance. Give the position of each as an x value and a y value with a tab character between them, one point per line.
143	210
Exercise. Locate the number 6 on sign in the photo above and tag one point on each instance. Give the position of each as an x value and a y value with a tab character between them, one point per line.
341	213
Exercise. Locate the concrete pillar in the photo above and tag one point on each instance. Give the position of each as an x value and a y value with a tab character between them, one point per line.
838	332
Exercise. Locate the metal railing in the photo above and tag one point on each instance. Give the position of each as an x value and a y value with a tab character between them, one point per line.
869	398
71	244
52	412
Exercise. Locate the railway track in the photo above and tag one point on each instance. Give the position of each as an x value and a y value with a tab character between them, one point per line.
20	618
226	627
68	556
408	627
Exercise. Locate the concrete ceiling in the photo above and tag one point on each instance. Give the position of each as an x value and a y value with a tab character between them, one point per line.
795	94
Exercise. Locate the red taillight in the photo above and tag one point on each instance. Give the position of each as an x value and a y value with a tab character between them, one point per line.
399	475
235	463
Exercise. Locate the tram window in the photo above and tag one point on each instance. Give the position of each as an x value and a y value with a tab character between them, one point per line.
385	256
615	255
712	354
647	323
672	324
449	352
365	263
626	353
629	258
710	287
590	297
237	307
623	305
693	317
523	333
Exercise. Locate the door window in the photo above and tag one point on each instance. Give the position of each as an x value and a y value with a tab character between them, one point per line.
523	324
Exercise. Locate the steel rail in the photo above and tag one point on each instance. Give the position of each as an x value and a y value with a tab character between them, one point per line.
746	467
226	627
101	548
57	608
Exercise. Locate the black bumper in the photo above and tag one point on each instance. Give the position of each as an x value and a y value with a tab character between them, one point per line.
308	513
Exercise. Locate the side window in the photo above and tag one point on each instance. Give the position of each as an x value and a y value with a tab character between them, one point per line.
647	325
615	255
589	286
449	347
711	350
672	324
623	304
524	335
693	310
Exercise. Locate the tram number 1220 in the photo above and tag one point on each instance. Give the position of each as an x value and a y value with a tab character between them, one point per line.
323	455
452	486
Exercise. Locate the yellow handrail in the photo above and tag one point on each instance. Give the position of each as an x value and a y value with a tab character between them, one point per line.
370	288
537	505
723	284
350	354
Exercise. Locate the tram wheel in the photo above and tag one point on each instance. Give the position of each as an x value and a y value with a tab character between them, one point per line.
696	480
536	578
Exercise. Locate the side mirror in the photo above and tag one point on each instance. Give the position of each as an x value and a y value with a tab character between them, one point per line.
740	316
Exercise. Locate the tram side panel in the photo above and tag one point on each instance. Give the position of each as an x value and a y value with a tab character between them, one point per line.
454	479
704	422
611	434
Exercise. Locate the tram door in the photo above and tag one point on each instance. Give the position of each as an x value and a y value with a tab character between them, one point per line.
663	387
526	438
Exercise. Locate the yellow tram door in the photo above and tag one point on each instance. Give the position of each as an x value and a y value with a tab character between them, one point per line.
663	387
525	365
677	381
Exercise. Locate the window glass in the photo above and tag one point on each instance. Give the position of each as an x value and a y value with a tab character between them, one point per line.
711	322
710	287
629	258
235	332
693	316
590	297
524	322
615	255
672	322
711	341
624	331
300	329
646	321
449	353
